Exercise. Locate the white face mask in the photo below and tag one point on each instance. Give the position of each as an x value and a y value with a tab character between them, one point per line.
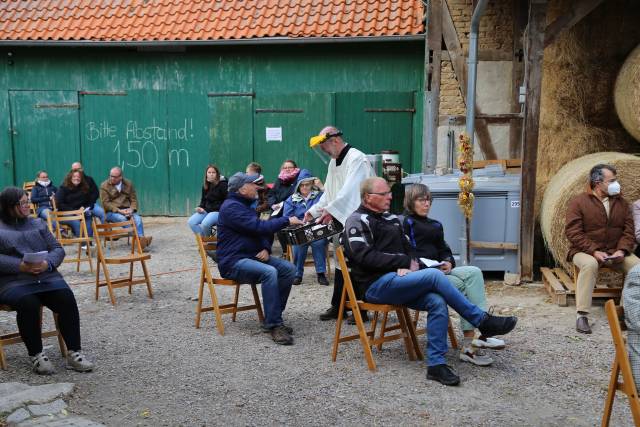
614	188
44	183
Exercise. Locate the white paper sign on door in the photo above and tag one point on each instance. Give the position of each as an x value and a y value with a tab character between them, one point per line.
274	134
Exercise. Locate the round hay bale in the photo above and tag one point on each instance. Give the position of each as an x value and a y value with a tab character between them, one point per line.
627	94
571	180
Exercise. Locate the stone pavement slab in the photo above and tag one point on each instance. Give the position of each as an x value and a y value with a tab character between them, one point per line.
16	395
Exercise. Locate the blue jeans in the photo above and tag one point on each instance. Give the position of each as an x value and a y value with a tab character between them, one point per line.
428	290
116	217
319	251
276	276
44	214
99	212
201	223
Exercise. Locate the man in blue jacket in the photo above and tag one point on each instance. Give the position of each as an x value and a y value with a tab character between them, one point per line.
244	247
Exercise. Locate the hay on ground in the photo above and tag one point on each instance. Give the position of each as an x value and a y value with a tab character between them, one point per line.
571	180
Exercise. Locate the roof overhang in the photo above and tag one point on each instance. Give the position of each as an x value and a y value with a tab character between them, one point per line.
194	43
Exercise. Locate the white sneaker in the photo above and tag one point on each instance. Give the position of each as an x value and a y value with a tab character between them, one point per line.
467	354
78	362
41	364
490	343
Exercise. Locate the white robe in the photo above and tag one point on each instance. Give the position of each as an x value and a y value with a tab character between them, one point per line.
342	187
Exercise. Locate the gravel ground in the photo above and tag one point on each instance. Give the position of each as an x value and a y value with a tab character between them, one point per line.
155	368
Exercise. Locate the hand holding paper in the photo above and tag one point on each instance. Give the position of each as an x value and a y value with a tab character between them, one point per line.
429	263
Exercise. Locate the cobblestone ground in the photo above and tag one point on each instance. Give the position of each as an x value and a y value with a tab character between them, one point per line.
155	368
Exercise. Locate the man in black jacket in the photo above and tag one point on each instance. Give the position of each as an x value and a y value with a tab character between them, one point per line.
93	191
385	272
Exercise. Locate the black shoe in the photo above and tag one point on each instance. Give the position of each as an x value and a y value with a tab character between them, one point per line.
497	325
331	313
280	335
582	325
443	374
297	281
322	279
352	320
213	255
266	330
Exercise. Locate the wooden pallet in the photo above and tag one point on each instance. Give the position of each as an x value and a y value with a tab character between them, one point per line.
563	291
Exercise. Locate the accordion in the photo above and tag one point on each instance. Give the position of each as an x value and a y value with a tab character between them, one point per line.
307	233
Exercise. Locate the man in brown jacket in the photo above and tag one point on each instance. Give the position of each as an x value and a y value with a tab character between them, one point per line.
120	202
599	227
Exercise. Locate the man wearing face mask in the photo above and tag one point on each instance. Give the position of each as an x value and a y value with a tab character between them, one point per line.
599	226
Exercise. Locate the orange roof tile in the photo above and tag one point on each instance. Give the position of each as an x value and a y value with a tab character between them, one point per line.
173	20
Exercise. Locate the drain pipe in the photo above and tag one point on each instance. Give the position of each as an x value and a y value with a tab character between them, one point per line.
472	62
472	66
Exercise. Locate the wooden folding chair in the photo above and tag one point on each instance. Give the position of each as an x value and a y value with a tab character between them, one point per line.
28	187
621	365
210	243
416	315
14	337
82	239
367	338
288	255
119	229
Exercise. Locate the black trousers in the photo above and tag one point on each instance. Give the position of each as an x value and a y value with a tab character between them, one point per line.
63	303
338	285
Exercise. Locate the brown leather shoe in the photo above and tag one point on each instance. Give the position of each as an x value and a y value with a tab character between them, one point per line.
144	242
582	325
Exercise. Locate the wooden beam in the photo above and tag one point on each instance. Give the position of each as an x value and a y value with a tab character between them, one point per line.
433	67
485	55
578	10
534	42
519	13
454	49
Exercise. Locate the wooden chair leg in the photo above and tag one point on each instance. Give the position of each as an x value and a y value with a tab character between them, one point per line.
130	277
61	343
107	279
452	335
200	296
147	279
382	329
79	257
235	303
404	328
412	333
3	358
364	338
611	393
336	338
256	300
97	280
216	309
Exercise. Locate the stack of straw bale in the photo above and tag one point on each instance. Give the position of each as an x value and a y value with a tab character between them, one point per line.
579	71
573	179
627	94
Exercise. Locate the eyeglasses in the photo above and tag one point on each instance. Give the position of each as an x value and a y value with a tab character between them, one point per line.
23	204
288	167
423	199
383	193
115	176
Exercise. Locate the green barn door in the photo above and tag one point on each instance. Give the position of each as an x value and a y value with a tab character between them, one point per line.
129	129
376	121
282	127
188	144
231	134
45	133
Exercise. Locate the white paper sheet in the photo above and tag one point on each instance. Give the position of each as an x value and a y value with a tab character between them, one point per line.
34	257
273	134
431	262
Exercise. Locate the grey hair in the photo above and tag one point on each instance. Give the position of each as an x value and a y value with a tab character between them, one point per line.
366	186
412	193
596	175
